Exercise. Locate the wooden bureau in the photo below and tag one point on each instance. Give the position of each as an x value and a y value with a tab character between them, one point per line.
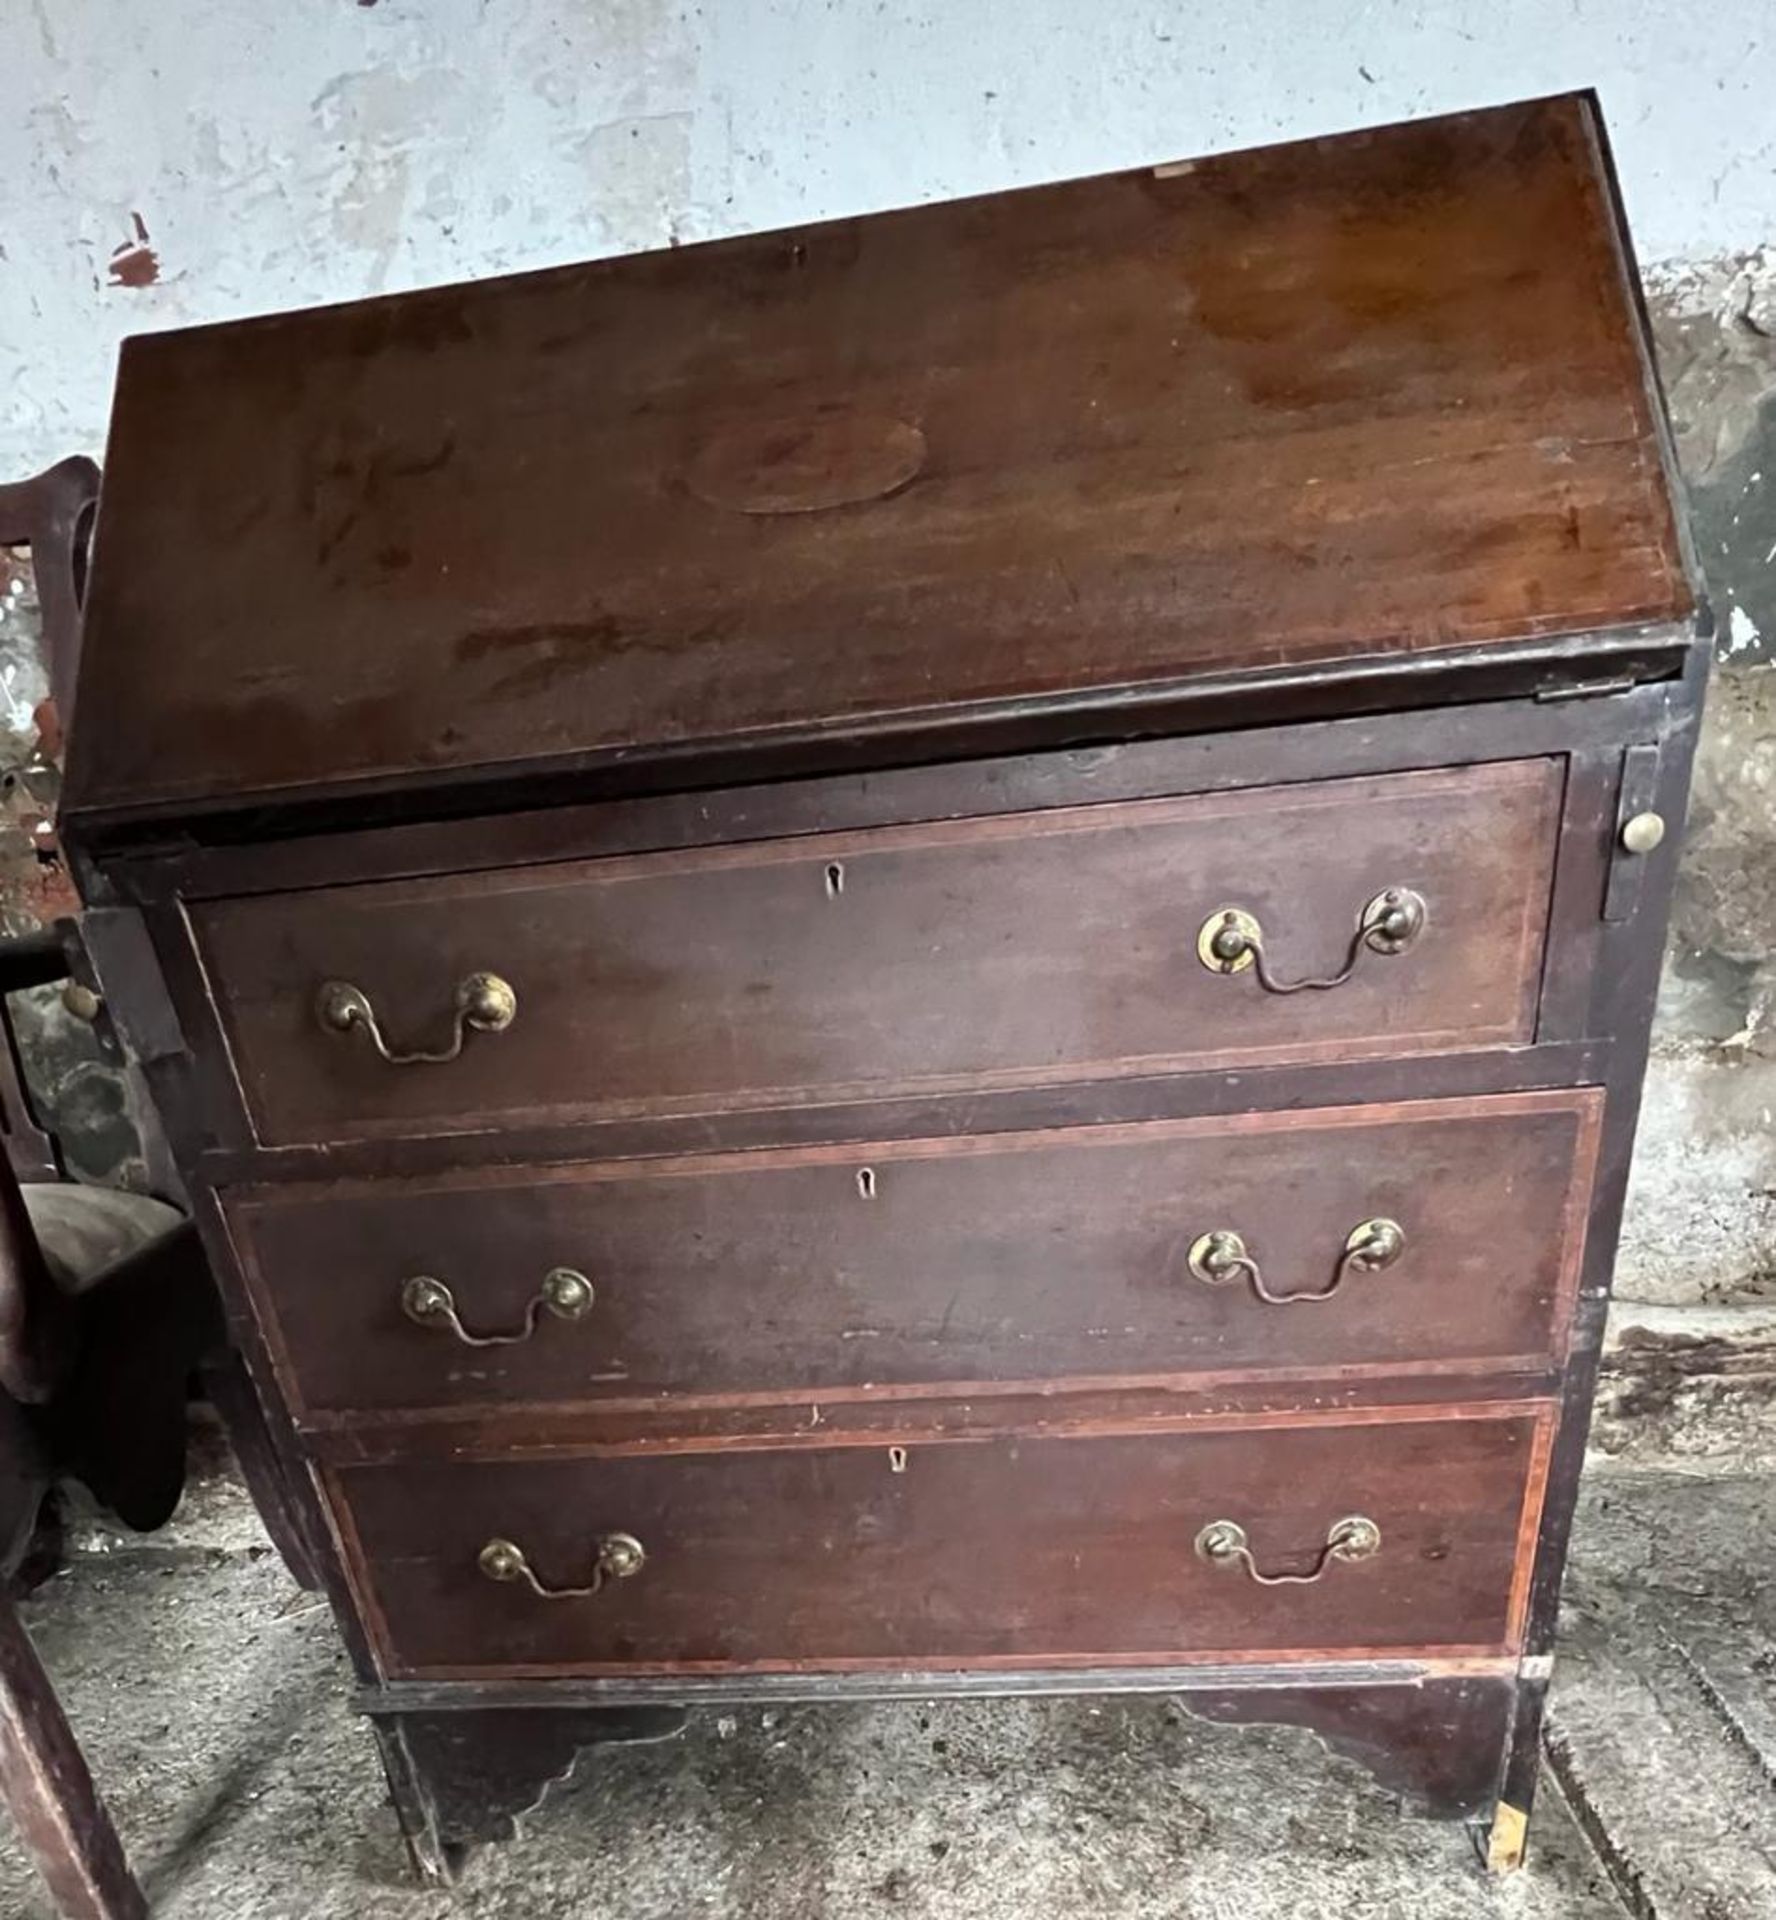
914	958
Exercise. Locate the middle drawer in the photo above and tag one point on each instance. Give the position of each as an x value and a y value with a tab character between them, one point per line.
1437	1233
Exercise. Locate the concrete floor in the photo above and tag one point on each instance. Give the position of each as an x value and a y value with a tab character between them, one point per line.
210	1695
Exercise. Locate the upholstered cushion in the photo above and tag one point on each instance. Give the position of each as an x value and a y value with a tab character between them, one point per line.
86	1231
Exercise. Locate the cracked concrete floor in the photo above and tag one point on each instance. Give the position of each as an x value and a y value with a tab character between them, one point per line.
210	1695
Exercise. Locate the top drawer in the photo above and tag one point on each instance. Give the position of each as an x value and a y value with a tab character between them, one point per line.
947	957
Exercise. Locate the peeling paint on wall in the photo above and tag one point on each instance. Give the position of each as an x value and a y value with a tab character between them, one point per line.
1716	331
638	174
1701	1220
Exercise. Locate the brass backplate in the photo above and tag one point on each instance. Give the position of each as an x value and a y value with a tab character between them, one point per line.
1241	923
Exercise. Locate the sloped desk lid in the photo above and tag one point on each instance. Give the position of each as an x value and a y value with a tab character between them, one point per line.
1378	397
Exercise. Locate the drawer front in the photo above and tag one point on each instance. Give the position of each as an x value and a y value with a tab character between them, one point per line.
1009	1551
1006	1257
902	961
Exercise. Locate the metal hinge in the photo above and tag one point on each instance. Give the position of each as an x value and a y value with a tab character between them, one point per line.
1587	689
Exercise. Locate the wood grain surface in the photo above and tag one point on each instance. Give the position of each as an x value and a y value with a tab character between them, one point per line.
951	957
1380	395
957	1554
996	1259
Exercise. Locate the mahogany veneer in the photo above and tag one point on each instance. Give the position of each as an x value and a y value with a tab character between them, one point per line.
920	951
954	956
991	1554
1040	1256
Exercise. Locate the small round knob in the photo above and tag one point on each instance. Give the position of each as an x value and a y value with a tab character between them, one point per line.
567	1294
500	1560
488	1003
1228	942
423	1298
1644	832
80	1002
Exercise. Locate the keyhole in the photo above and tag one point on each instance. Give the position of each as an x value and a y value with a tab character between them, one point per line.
835	880
897	1459
866	1182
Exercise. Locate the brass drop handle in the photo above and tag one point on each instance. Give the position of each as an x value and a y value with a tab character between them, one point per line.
618	1556
484	1003
1223	1544
1218	1257
1230	940
564	1292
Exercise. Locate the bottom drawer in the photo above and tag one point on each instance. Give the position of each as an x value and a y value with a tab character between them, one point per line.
1005	1552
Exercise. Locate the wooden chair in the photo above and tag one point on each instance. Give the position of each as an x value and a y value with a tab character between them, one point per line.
106	1308
106	1311
53	515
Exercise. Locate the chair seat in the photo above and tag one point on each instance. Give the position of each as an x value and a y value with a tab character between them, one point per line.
84	1232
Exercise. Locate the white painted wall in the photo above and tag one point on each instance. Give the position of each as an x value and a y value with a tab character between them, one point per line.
314	150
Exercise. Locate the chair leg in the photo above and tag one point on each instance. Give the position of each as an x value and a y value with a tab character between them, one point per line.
49	1792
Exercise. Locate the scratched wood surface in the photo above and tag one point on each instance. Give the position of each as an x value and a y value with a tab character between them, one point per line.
1376	395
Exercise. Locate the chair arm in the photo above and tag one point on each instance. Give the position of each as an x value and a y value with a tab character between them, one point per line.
36	959
53	514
